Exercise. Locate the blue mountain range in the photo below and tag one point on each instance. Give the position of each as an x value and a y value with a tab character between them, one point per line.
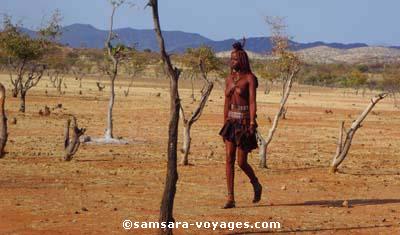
84	35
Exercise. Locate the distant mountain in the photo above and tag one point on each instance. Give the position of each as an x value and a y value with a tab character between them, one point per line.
365	55
84	35
325	54
79	35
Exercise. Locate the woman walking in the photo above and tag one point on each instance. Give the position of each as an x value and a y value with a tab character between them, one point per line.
240	124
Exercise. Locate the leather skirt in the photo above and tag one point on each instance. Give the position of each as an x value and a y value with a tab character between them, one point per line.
237	131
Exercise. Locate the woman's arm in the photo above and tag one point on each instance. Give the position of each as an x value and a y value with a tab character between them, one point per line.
252	99
227	98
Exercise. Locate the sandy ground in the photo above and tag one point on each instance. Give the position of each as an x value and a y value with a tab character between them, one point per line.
106	184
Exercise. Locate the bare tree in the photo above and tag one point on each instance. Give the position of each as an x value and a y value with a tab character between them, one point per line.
198	62
288	65
57	77
71	146
343	147
80	62
126	92
116	55
53	30
3	121
167	203
78	73
268	86
266	70
391	84
187	123
135	65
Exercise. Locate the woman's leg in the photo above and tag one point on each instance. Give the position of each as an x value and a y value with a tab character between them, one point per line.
230	168
245	166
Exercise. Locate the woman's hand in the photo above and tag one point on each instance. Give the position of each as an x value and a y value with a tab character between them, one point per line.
252	129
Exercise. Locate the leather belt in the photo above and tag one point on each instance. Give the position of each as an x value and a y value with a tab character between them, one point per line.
239	107
238	115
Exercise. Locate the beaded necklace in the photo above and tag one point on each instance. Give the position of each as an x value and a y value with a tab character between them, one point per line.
236	79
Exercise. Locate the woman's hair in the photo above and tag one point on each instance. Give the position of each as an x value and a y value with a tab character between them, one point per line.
244	63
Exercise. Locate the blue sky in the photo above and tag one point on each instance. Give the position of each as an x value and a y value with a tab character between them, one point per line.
346	21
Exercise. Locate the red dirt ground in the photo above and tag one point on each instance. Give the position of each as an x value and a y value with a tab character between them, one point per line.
106	184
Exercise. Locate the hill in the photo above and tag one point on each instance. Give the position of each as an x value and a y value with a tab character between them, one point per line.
84	35
325	54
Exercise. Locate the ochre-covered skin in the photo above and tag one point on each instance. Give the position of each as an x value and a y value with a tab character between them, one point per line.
243	92
240	124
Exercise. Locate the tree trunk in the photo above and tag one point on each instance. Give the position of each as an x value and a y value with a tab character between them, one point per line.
112	74
284	111
59	83
126	92
71	146
206	91
109	130
267	89
263	149
186	144
395	100
192	82
167	203
15	92
3	121
22	102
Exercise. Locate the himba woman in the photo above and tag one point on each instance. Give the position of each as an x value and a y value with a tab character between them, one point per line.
240	124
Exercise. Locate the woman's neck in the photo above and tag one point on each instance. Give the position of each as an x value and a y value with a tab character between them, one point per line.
238	72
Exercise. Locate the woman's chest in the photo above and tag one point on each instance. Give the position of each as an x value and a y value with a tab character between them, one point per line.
241	88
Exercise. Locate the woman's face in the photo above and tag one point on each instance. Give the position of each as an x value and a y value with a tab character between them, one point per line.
235	61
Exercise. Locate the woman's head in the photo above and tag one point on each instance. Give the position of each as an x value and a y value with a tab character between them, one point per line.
239	59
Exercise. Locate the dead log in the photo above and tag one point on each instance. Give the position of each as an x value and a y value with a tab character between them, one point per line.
343	147
3	121
71	146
